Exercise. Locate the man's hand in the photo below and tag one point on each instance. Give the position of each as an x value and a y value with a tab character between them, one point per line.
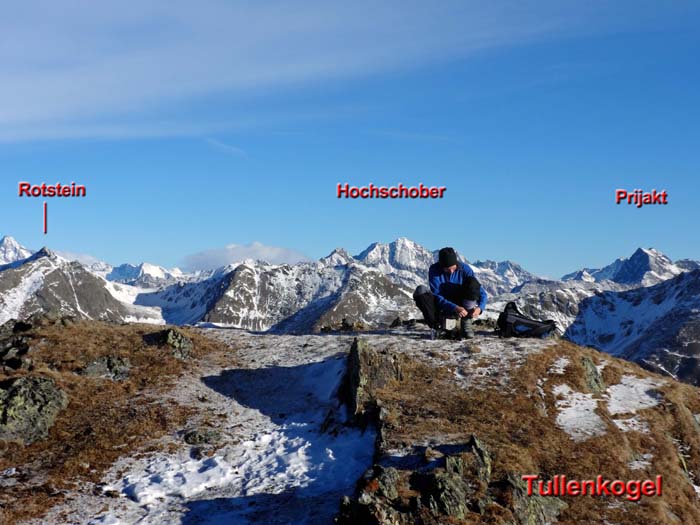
462	312
476	313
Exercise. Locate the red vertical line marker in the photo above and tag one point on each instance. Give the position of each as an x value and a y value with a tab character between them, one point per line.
45	218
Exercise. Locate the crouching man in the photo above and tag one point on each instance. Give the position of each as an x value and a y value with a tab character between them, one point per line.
454	293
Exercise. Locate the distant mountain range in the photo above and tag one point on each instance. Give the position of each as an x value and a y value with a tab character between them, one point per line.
644	307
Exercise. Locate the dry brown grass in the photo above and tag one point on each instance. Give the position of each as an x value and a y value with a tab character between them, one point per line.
523	440
104	419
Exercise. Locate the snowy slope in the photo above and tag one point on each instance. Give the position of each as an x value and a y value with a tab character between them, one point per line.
556	300
46	282
501	277
308	296
657	326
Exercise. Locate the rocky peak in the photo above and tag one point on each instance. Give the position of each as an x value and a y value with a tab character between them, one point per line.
44	253
644	267
687	264
12	251
338	257
401	254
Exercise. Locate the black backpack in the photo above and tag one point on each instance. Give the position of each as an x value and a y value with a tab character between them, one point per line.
511	323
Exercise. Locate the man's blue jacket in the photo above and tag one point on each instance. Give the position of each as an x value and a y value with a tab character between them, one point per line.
446	287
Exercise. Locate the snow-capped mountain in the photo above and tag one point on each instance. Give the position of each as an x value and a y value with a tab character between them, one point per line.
253	295
407	263
371	289
45	282
563	300
656	326
556	300
613	308
687	264
309	296
144	275
12	251
403	261
645	267
501	277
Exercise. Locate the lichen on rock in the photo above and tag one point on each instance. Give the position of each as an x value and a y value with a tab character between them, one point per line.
28	408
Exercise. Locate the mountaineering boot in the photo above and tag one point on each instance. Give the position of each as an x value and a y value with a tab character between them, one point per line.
466	330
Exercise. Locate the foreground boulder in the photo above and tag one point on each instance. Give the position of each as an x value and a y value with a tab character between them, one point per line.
28	408
455	488
180	344
367	371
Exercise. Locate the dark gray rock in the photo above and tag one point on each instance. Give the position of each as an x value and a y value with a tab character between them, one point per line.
28	408
180	344
13	352
447	492
528	510
202	436
110	367
387	479
368	370
447	487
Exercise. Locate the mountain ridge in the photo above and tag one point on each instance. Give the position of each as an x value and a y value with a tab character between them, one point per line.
369	291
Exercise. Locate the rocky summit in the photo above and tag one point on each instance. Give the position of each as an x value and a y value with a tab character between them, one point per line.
388	427
459	425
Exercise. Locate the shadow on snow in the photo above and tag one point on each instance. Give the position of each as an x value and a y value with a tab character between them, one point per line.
298	400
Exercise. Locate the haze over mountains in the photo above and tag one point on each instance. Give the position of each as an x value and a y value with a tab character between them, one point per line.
643	307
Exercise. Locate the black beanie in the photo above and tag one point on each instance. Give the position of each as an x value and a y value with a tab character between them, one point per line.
447	257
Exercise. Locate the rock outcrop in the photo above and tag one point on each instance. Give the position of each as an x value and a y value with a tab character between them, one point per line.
28	407
458	430
368	370
179	343
110	367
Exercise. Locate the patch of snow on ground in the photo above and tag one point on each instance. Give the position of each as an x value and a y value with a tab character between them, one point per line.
275	466
642	463
601	366
633	424
632	394
559	366
577	415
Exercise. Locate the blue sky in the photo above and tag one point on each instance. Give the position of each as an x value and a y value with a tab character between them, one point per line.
229	123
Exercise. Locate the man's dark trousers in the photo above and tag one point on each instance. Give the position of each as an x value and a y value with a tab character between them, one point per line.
426	303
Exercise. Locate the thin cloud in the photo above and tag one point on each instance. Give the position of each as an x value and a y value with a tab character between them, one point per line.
84	68
226	148
235	253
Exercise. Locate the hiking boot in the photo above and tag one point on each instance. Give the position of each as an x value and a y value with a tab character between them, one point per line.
466	330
